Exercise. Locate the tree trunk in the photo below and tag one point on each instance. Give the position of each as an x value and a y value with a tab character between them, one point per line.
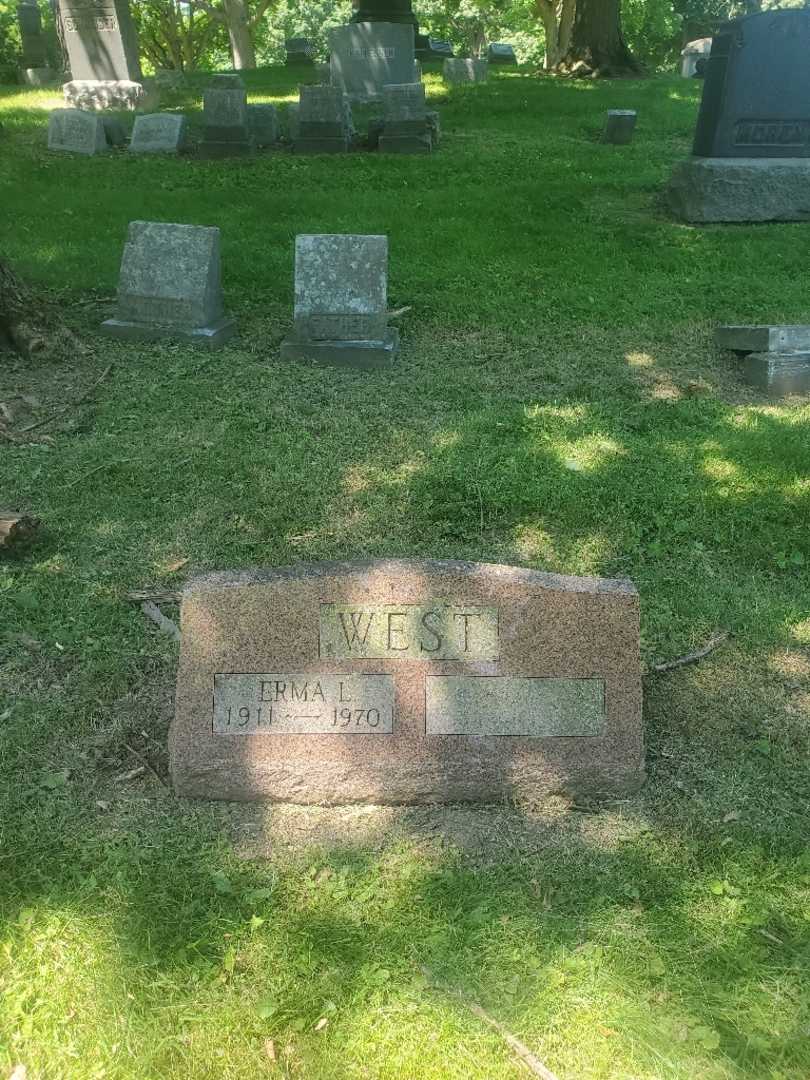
598	46
557	17
244	55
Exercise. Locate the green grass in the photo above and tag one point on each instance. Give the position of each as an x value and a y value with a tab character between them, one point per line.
558	403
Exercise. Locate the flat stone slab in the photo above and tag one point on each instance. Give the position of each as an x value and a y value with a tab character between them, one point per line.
759	339
366	355
741	189
778	374
158	133
405	681
211	336
76	131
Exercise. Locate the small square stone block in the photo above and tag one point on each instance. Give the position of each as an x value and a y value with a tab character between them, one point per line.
779	374
76	131
620	126
760	339
365	355
459	71
158	133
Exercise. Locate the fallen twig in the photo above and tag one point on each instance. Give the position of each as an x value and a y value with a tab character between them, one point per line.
153	612
519	1048
691	658
143	761
157	597
399	311
98	468
133	774
61	412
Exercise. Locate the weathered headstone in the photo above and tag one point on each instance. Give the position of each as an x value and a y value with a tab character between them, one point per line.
102	47
620	125
263	125
778	357
458	71
158	133
299	51
341	293
34	69
323	121
692	53
226	128
752	141
76	132
407	682
500	53
435	50
170	286
405	128
367	56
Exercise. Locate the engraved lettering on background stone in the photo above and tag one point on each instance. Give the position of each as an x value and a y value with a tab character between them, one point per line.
771	132
429	631
303	704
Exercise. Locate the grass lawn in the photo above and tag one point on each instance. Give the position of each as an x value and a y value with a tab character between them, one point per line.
559	404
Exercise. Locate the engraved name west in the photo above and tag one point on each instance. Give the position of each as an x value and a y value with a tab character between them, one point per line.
409	632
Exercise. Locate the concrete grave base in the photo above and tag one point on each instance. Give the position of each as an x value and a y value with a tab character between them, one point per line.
405	144
741	189
354	354
778	373
103	94
212	336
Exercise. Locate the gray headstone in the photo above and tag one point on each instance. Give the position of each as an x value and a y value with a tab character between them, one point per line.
406	128
299	50
263	124
499	53
365	57
37	76
101	40
756	97
34	43
692	52
170	285
741	189
324	121
76	131
341	291
225	120
619	126
158	133
761	339
465	71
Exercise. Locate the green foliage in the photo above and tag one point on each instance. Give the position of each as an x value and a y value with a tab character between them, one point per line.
180	37
299	18
9	42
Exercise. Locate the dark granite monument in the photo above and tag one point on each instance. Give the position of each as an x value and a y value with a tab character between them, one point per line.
102	48
752	142
396	11
300	51
400	681
34	67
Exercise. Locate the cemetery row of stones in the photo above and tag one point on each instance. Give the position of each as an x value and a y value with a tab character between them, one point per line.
170	288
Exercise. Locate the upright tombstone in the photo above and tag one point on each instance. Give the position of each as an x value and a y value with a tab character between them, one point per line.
435	50
457	71
158	133
300	51
620	125
34	69
691	55
226	124
341	309
751	155
75	131
407	682
500	53
263	125
102	47
170	286
365	57
406	128
323	121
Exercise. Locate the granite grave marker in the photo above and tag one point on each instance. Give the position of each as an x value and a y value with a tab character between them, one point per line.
500	53
458	70
322	121
751	153
406	682
170	286
620	125
34	69
76	131
776	359
102	47
406	128
365	57
226	126
341	294
158	133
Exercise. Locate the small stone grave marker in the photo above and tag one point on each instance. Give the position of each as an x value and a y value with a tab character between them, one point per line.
299	51
225	119
620	126
323	123
158	133
263	124
76	131
398	681
457	71
170	286
341	292
406	128
365	57
501	53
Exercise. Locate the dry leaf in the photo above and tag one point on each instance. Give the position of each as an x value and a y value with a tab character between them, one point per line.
102	805
322	1023
270	1049
731	816
178	564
